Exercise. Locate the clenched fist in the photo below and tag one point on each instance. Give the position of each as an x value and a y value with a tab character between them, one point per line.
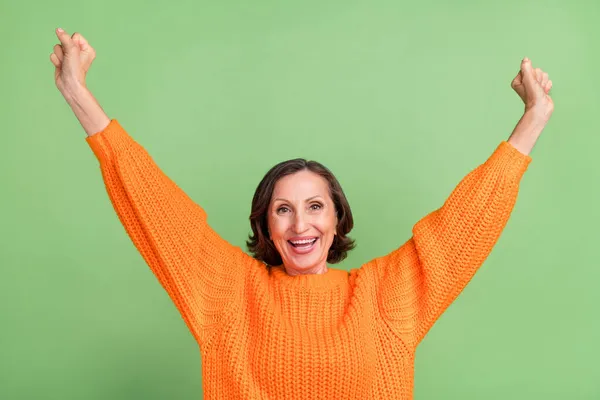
72	59
532	86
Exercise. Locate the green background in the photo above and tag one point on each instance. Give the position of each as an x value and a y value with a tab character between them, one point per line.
400	99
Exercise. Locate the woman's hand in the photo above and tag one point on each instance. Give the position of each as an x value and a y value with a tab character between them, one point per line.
72	58
532	86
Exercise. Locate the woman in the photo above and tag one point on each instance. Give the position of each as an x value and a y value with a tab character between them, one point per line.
281	324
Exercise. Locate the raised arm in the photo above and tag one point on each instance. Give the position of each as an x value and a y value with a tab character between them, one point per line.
202	273
419	280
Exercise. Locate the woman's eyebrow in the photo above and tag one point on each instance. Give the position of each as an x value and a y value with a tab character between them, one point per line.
309	199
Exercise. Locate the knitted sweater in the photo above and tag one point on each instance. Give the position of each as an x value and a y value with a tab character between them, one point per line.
264	334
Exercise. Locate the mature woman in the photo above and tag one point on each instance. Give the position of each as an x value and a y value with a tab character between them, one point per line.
281	324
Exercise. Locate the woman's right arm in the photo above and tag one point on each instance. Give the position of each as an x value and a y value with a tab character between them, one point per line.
202	273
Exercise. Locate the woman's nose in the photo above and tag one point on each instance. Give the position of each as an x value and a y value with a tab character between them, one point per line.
300	223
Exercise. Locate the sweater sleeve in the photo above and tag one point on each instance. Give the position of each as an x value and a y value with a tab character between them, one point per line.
418	281
201	272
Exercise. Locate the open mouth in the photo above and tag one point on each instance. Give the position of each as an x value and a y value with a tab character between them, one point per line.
303	246
303	243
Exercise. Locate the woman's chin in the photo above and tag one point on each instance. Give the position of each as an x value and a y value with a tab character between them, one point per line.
304	260
304	265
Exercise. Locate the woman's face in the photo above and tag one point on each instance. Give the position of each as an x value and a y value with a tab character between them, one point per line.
302	222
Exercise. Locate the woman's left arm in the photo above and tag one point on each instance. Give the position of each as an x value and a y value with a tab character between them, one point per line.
418	281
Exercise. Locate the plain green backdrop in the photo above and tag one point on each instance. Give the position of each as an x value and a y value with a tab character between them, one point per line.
400	99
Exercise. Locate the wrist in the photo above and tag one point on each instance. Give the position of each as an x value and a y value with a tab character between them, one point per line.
527	131
538	114
90	114
74	91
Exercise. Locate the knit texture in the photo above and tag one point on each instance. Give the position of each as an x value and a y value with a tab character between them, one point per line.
264	334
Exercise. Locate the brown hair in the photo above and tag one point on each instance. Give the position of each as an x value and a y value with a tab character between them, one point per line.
259	244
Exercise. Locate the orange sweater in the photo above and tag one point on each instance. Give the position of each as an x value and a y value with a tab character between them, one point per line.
340	335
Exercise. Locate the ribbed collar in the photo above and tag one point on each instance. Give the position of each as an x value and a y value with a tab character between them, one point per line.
333	278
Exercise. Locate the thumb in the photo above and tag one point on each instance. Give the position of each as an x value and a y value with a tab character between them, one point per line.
68	44
528	73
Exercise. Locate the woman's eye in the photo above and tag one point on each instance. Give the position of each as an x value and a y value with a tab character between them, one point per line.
315	206
281	209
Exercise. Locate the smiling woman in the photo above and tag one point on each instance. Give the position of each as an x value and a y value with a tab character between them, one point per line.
297	329
300	218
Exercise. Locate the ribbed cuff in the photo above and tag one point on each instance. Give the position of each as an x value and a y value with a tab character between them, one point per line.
509	160
106	143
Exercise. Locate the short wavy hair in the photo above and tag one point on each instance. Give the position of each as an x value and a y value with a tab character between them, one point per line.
260	245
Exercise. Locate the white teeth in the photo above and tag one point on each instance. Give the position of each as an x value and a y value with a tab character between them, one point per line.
309	241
